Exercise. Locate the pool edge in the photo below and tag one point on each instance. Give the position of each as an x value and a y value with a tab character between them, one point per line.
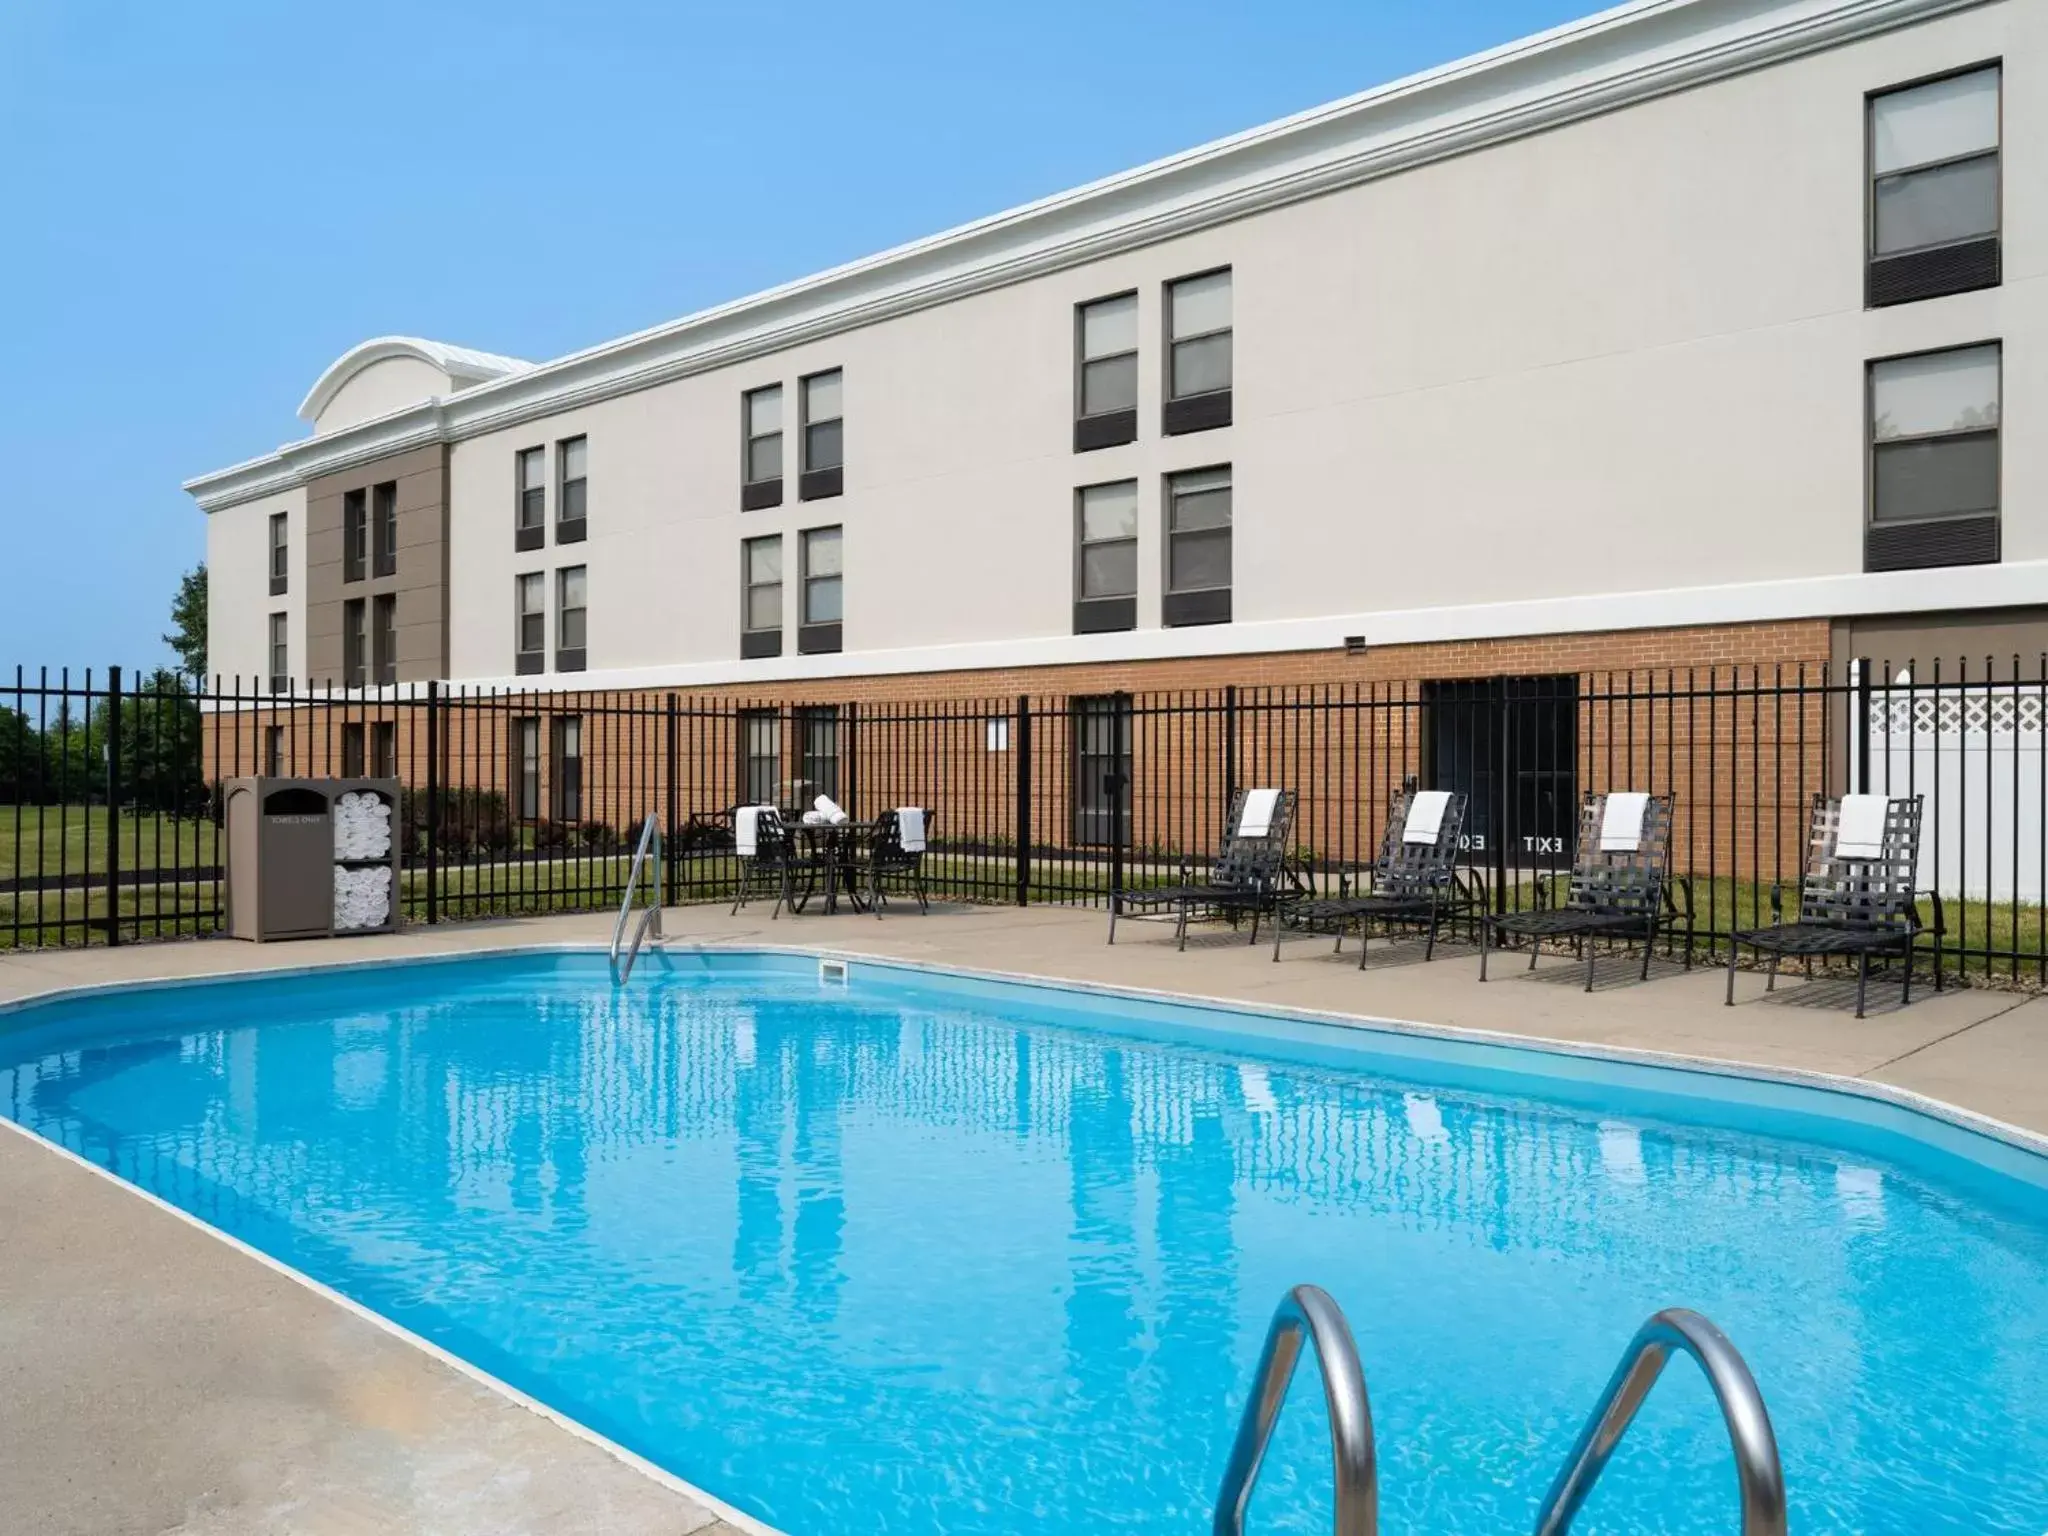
714	1506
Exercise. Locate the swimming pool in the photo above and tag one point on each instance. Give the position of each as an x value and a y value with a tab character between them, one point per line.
924	1253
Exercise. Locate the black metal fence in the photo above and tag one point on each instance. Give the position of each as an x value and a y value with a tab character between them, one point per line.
528	802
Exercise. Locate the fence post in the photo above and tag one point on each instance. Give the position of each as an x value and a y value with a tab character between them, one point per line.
1229	752
1022	820
672	808
849	754
114	806
1118	786
1859	700
433	801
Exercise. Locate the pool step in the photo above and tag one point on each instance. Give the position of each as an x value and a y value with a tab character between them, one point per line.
1308	1313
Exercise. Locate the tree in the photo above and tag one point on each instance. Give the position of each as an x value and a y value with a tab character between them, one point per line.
162	759
188	621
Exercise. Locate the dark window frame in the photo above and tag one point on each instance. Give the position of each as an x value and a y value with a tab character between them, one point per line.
1088	764
766	491
1942	267
572	492
384	639
818	744
355	534
565	768
752	762
355	642
1199	410
1968	537
1180	605
384	528
756	643
816	636
384	749
571	658
273	751
529	660
280	553
278	642
524	749
816	481
1102	613
529	502
1108	428
353	755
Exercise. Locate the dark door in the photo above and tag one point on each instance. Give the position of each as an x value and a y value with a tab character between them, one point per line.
1511	745
1101	732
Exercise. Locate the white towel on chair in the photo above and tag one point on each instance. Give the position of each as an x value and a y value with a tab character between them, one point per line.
1859	834
828	808
1621	821
910	828
1425	823
746	830
1256	819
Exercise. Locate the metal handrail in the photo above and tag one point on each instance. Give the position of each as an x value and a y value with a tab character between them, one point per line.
1757	1472
1307	1311
650	919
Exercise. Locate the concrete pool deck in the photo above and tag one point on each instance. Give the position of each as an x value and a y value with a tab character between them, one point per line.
156	1378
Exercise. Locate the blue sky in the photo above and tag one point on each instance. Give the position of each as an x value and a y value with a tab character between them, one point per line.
207	202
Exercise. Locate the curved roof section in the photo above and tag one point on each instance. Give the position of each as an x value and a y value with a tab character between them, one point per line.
463	365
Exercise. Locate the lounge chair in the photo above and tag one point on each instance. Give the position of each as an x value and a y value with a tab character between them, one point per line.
1247	876
1857	898
1621	884
897	853
1414	879
769	856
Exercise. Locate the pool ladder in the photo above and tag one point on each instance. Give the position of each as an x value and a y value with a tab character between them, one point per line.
650	916
1308	1314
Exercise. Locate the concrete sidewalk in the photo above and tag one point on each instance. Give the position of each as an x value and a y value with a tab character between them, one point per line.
154	1378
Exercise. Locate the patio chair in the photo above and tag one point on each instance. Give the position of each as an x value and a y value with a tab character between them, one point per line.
897	853
1247	876
1414	879
1621	885
769	856
1857	897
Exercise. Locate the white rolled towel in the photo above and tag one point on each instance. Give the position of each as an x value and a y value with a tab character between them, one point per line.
828	808
362	897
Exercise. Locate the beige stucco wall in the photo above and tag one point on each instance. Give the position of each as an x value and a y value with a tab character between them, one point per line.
388	384
1621	357
238	600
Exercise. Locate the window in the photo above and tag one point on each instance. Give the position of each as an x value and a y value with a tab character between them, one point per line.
352	750
1198	547
761	427
820	630
572	593
573	455
354	635
531	595
824	438
761	756
1934	460
273	751
384	749
1198	353
384	640
818	729
1106	406
530	516
761	597
1106	563
526	768
280	661
1934	192
566	759
280	552
1100	728
355	534
384	527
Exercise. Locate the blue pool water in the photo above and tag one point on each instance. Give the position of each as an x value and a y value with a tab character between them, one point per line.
925	1254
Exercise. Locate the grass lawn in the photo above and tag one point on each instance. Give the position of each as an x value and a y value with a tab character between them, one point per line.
47	839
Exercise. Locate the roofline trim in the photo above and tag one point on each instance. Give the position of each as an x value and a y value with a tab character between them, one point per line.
1621	57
